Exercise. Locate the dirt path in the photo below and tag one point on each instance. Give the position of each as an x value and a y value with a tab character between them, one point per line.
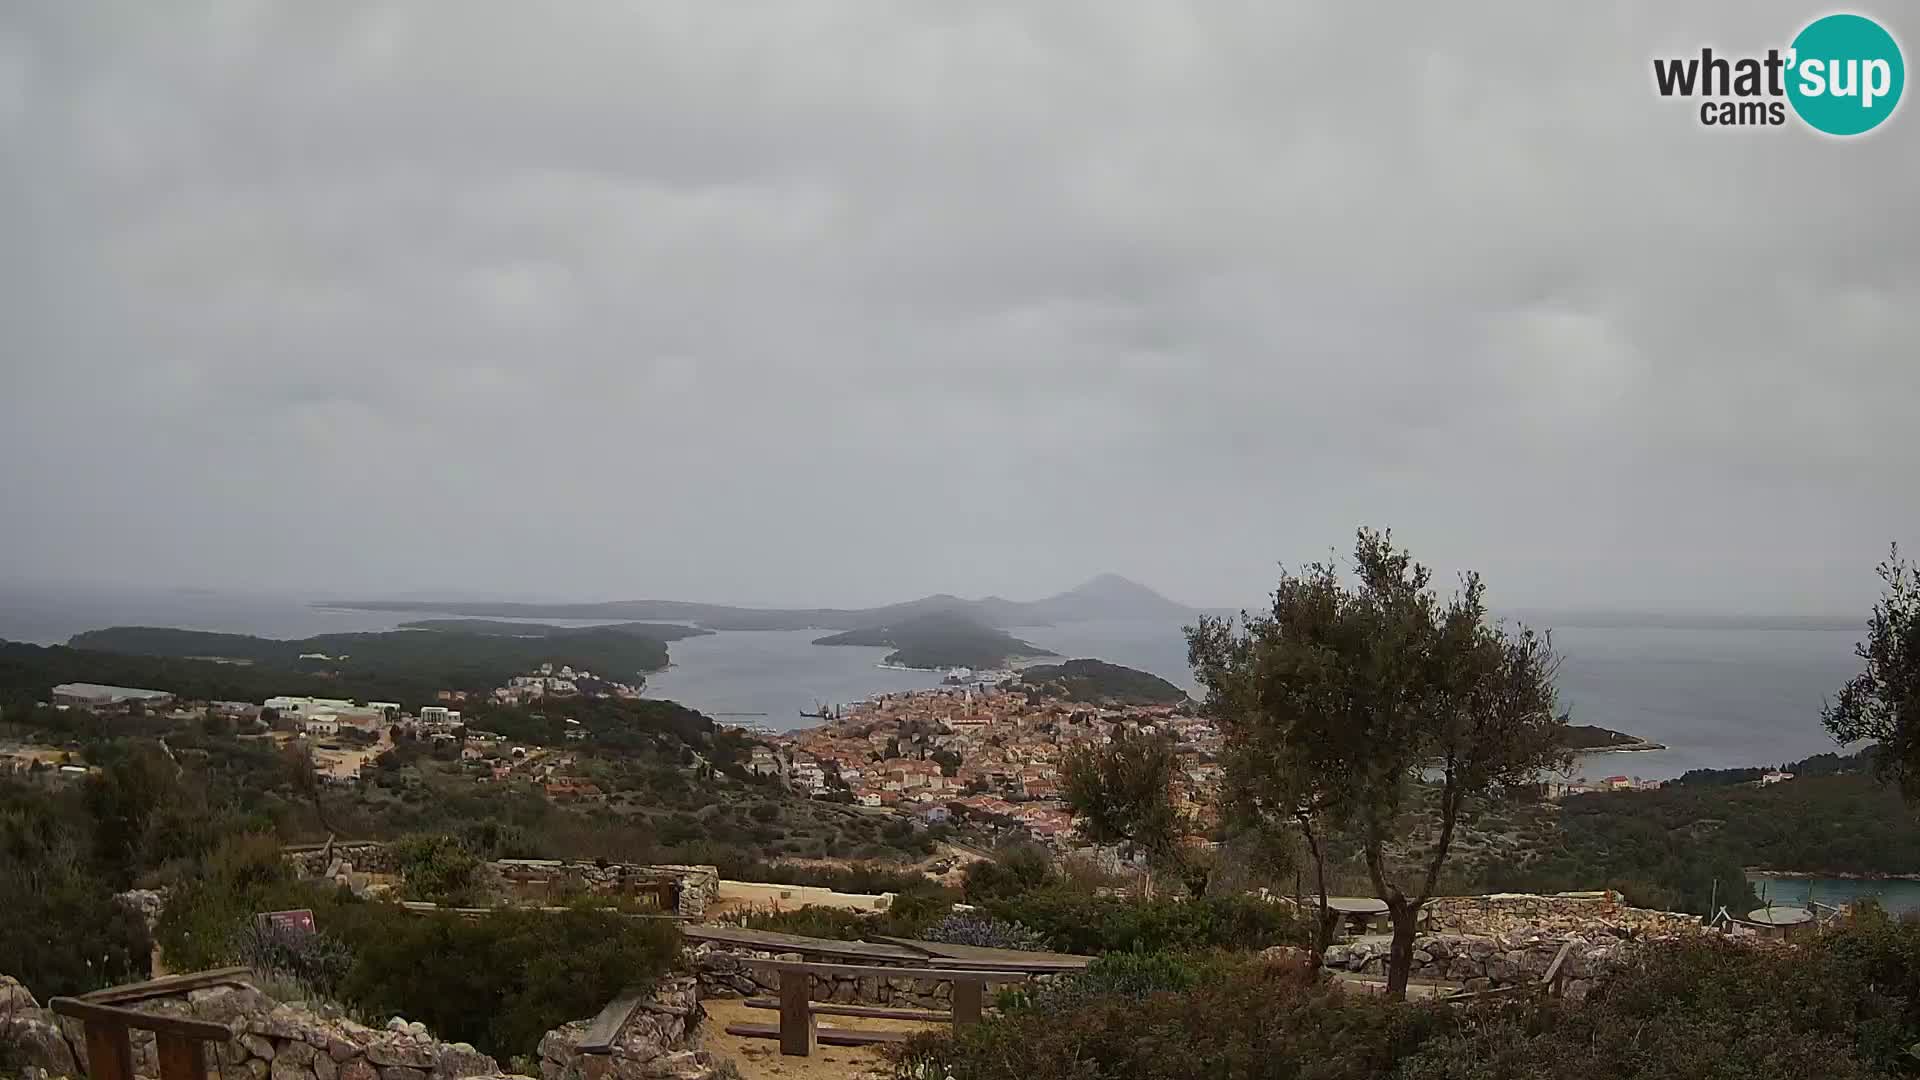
760	1059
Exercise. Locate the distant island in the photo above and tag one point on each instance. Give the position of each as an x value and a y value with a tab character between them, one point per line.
1588	739
451	655
495	627
1108	596
1098	681
939	640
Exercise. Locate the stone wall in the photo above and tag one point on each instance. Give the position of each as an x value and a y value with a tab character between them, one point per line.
1568	913
269	1040
275	1041
530	880
723	973
651	1046
366	856
1483	962
533	879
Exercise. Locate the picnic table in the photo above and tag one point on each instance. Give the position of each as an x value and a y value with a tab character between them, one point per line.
799	1033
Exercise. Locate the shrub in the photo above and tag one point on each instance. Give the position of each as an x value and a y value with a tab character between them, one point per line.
910	916
1020	869
1702	1008
439	869
1248	1023
1073	921
317	962
1708	1007
961	928
503	980
1121	974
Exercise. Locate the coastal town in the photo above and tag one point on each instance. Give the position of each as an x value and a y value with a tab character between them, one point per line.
983	750
988	754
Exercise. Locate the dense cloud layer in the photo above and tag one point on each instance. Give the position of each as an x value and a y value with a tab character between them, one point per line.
844	302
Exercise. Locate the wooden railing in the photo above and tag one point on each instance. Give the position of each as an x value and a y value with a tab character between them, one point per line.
181	1042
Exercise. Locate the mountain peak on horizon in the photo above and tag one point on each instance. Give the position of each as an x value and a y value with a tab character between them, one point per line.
1109	582
1107	596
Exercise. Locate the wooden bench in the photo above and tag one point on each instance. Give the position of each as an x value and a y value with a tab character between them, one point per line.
874	1012
798	1033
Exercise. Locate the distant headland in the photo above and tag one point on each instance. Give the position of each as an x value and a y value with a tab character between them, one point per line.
1107	596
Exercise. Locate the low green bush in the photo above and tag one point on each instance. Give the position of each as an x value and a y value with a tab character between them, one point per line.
980	931
499	981
502	981
438	868
1249	1023
1843	1007
1073	921
1013	871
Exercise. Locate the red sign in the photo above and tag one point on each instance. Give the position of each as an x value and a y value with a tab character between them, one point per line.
292	922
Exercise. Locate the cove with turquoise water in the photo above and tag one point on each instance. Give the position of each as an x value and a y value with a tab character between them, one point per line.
1897	895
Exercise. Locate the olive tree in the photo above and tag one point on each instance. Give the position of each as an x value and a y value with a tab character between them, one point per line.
1882	703
1122	793
1352	692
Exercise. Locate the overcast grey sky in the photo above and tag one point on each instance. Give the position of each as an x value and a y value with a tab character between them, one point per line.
821	302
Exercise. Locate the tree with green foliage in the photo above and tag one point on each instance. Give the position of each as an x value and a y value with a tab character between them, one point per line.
1882	703
438	868
1122	793
1345	696
60	930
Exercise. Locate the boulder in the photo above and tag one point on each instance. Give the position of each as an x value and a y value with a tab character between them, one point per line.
35	1041
14	996
461	1059
391	1051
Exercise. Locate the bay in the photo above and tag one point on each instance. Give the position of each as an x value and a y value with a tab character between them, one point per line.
1898	896
1717	698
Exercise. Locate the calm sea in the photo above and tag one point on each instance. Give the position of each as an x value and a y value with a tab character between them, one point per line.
1716	698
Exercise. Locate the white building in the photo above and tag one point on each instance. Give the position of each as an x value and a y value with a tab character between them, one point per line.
98	694
321	724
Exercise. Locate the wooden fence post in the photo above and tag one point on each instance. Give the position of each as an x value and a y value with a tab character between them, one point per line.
967	994
797	1032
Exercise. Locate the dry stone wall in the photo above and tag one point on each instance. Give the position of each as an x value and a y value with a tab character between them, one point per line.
269	1041
724	973
529	880
651	1046
1589	912
275	1041
1482	963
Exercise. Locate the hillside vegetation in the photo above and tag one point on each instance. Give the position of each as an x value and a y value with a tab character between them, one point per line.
1100	682
614	652
940	641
